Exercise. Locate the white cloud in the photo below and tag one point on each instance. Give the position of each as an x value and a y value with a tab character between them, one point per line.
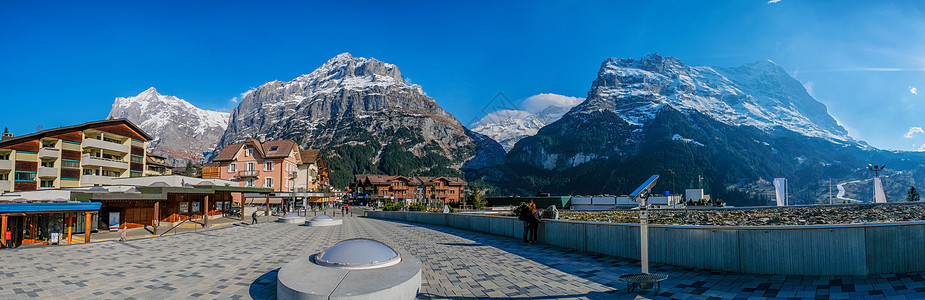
913	131
921	148
234	100
913	90
809	88
539	102
773	1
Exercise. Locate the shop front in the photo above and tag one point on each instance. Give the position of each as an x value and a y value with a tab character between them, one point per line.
46	223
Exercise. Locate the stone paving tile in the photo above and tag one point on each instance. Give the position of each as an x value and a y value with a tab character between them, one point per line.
241	262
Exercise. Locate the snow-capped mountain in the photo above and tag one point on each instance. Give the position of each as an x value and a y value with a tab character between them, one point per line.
735	127
365	117
760	95
181	131
507	127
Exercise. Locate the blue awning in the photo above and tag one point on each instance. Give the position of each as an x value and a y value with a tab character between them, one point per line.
48	207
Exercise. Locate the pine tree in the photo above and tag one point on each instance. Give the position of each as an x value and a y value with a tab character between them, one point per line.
913	195
477	198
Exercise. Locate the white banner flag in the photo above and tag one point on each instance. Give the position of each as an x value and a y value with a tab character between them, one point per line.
780	191
879	197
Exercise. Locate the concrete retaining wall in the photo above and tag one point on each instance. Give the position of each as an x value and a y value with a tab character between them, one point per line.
790	250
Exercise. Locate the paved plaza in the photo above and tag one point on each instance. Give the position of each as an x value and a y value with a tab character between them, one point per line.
241	261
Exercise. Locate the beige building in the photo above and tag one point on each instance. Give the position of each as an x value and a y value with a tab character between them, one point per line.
156	165
87	154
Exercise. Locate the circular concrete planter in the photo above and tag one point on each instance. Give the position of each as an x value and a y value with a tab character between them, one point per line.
291	218
352	269
323	220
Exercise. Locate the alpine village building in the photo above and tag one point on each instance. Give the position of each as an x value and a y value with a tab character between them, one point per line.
443	190
74	156
96	176
281	166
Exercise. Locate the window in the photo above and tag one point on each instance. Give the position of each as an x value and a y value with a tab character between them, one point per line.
25	176
90	172
5	156
250	182
248	152
137	159
70	164
5	176
268	166
47	183
111	173
232	168
251	166
48	163
268	182
274	148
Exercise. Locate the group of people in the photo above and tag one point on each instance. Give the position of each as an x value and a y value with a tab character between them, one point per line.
531	218
344	210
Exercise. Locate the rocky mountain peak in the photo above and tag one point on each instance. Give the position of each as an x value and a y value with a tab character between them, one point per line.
345	67
181	131
761	94
352	105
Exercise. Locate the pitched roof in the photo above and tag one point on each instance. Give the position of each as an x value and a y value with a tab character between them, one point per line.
72	128
268	149
310	155
151	161
414	180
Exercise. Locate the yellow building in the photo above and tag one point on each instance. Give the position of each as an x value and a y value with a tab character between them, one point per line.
156	165
81	155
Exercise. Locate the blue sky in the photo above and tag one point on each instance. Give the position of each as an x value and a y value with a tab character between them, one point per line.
64	64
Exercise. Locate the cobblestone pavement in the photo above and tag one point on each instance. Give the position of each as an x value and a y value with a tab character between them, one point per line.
241	261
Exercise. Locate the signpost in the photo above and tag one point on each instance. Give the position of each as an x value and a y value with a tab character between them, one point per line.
641	194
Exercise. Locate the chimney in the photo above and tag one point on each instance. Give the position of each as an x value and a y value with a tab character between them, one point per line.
6	134
262	138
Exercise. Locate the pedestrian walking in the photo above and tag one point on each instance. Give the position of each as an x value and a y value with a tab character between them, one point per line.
346	210
254	217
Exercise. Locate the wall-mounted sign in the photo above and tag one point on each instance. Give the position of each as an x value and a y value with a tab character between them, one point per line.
195	206
114	220
184	207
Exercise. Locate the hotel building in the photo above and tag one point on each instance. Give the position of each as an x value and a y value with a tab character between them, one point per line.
433	189
88	154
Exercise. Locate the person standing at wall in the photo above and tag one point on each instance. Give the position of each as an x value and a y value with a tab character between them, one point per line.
533	221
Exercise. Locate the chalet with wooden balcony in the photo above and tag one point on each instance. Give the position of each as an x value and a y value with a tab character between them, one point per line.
417	188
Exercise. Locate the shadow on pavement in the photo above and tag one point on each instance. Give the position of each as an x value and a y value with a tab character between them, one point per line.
264	287
591	295
541	254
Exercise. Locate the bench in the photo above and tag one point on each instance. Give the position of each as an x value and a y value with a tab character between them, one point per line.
643	281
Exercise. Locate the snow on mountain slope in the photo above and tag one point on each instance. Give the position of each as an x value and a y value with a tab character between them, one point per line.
762	95
365	117
509	126
181	131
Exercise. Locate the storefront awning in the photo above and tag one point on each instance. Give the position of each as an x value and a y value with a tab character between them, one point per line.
48	207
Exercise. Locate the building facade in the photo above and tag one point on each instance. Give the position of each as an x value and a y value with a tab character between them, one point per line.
270	164
313	172
88	154
447	190
156	165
